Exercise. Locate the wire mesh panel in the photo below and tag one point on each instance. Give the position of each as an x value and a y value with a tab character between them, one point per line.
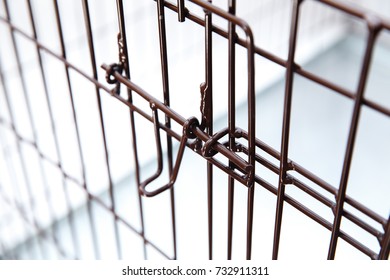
194	129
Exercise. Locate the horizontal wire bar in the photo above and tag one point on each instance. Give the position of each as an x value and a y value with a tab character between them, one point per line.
281	62
242	164
344	92
356	11
317	180
52	53
319	197
315	217
175	135
40	153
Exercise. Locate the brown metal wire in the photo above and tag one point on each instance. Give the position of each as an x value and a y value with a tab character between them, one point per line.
236	159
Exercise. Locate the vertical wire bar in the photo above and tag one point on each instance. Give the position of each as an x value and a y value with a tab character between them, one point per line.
9	164
209	126
165	82
231	119
181	10
251	138
53	126
21	157
374	27
25	175
251	195
88	27
385	243
8	161
31	121
122	30
11	170
286	126
111	188
75	122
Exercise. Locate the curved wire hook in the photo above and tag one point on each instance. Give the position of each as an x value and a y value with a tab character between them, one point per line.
187	133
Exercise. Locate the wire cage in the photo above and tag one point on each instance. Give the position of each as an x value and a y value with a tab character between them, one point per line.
194	129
